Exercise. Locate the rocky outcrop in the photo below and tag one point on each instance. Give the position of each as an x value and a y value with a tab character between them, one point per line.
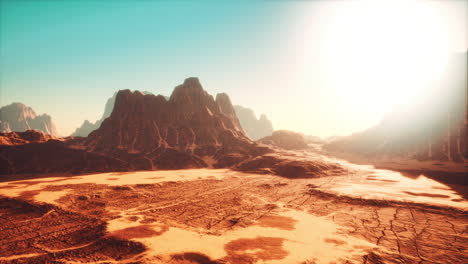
253	127
432	128
35	152
18	117
286	140
21	138
278	164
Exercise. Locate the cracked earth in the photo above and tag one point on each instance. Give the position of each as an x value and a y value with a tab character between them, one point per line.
221	216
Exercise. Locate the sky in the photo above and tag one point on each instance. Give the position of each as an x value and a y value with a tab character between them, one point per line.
322	68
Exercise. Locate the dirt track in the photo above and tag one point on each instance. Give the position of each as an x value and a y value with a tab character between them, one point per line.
228	218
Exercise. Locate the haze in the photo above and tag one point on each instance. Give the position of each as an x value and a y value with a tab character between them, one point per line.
318	67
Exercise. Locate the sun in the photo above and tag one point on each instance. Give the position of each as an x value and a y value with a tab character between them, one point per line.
380	54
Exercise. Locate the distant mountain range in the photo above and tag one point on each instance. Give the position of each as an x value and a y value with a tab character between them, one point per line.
19	117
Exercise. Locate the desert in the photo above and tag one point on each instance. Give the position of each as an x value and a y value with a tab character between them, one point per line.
226	216
233	132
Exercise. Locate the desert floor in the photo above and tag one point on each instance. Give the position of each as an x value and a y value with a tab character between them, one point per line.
213	216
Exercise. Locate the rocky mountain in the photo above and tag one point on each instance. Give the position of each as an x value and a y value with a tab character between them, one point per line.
189	119
434	127
190	129
285	139
88	127
255	128
153	132
19	117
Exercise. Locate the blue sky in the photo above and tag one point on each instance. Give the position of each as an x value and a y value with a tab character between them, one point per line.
65	58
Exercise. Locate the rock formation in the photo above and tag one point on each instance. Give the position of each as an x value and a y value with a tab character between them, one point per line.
432	128
191	129
19	117
35	152
174	133
286	140
88	127
21	138
253	127
190	118
277	163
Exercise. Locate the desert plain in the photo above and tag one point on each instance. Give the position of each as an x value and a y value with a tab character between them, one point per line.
208	216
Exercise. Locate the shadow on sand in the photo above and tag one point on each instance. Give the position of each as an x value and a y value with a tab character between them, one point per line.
457	181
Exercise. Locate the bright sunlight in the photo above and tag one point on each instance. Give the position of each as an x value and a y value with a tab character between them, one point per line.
380	54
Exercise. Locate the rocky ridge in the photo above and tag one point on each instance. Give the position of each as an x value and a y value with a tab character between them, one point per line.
190	129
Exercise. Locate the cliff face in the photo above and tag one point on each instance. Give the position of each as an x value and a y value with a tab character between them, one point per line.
253	127
87	127
190	119
178	132
18	117
432	128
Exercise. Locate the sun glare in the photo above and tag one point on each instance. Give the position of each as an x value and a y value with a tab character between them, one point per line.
380	54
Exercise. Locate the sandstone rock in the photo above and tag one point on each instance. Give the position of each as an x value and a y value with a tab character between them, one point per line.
286	140
253	127
174	133
190	119
17	117
88	127
54	157
20	138
291	168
